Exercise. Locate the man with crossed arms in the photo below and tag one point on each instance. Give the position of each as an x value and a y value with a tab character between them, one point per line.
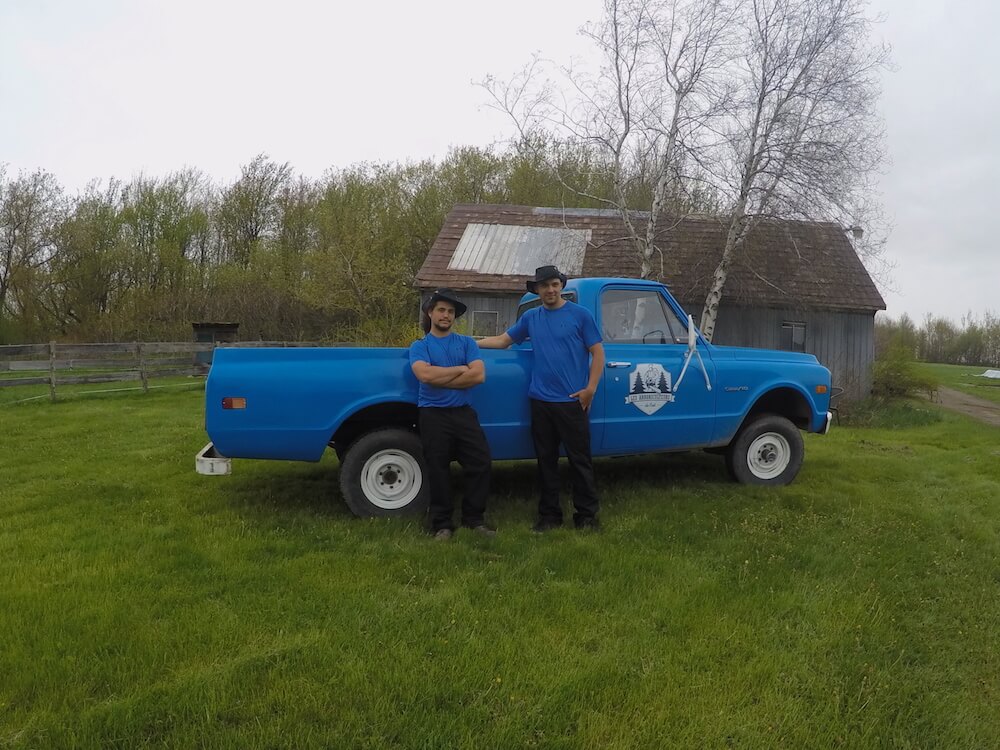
447	364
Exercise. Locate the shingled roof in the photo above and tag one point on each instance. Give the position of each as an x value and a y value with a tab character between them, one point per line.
797	264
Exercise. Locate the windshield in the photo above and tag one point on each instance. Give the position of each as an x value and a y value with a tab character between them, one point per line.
639	316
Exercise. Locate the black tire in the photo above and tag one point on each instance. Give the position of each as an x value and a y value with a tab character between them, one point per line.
768	450
383	474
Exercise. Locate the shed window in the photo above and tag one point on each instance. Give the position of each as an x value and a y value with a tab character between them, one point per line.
484	322
793	336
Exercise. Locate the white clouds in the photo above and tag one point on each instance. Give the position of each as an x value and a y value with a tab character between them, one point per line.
940	107
110	88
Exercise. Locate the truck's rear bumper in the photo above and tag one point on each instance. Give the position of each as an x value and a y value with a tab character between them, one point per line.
210	462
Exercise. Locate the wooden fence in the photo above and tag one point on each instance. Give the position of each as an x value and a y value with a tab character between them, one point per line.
84	364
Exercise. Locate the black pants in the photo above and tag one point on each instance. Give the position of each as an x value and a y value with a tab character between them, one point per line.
568	424
455	433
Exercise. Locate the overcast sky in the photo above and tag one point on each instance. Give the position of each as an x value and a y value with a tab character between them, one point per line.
101	88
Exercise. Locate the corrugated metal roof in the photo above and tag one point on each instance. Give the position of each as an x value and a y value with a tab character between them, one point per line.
510	250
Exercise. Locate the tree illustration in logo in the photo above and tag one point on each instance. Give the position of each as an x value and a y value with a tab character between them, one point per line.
664	388
637	384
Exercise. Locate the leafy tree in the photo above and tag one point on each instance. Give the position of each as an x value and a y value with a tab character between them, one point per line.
89	270
165	226
362	270
904	331
31	207
249	210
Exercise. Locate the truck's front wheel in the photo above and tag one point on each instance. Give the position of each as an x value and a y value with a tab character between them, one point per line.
383	474
768	450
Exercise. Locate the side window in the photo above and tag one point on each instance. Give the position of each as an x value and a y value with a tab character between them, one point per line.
793	336
484	323
633	316
571	296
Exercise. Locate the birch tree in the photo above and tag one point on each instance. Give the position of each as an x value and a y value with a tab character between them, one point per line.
802	137
644	112
768	107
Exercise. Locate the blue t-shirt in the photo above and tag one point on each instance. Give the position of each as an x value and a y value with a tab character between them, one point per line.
444	351
561	340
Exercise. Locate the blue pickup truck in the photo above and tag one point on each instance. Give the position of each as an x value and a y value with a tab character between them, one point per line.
664	389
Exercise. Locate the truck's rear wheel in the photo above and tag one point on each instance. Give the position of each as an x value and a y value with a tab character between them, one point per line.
768	450
383	474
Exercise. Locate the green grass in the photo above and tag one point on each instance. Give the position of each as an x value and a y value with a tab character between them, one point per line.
892	414
144	605
963	378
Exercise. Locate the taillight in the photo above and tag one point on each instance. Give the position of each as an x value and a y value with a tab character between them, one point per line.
234	402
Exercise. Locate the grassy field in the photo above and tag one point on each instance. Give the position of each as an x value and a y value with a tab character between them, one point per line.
964	379
144	605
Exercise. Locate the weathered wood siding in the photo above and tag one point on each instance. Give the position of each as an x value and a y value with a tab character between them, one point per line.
843	341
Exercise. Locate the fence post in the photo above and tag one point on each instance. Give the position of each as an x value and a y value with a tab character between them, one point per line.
52	370
142	367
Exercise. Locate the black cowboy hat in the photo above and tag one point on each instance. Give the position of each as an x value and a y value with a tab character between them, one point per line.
448	296
544	273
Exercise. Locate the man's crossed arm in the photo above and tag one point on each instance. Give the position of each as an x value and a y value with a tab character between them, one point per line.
460	376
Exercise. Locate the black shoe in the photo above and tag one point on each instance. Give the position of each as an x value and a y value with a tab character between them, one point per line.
587	524
544	525
443	535
483	530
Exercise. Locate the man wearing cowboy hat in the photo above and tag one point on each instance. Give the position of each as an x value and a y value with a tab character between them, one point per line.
569	361
447	364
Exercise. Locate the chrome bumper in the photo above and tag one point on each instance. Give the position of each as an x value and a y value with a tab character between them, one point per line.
827	423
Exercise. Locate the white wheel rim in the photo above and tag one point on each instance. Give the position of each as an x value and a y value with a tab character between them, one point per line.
391	479
769	455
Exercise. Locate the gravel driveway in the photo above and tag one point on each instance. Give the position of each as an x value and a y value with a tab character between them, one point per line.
981	409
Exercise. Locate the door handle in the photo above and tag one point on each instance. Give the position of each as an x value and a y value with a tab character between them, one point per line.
619	364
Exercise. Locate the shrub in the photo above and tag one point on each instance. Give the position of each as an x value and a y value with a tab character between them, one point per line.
895	374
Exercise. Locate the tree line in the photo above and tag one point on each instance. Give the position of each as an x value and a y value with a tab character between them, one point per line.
745	109
287	257
972	341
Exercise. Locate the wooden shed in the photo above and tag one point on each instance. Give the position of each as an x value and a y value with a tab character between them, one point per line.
795	285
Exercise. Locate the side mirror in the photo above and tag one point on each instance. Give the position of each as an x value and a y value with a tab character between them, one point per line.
691	354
